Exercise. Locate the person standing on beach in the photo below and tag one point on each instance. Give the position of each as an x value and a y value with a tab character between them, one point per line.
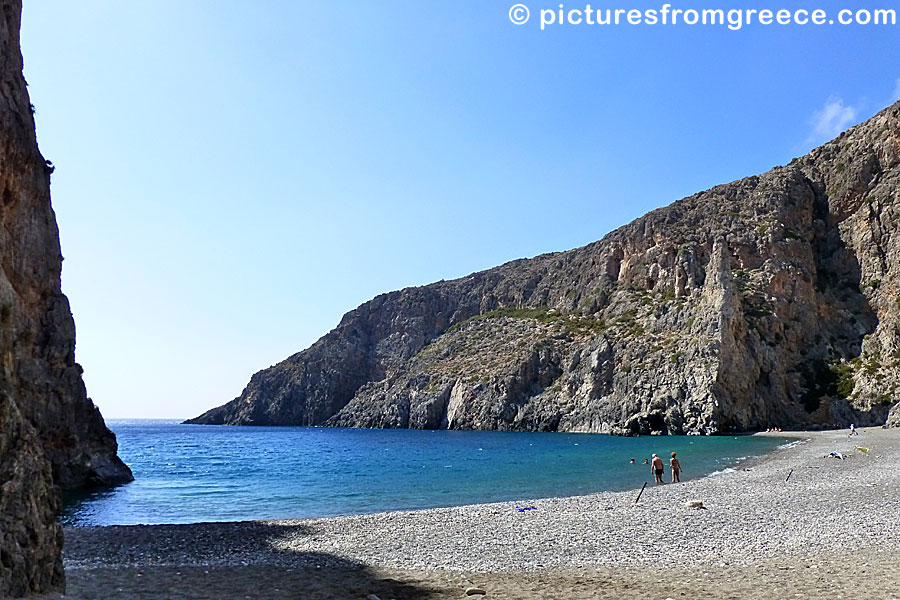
676	469
656	466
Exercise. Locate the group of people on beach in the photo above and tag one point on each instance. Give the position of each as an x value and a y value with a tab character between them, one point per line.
656	467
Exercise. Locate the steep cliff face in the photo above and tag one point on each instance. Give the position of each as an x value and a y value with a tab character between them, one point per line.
769	301
50	432
30	537
37	331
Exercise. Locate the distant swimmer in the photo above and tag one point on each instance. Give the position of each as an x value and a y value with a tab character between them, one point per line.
656	466
632	461
676	469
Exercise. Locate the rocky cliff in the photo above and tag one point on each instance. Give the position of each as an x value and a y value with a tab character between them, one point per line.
51	434
769	301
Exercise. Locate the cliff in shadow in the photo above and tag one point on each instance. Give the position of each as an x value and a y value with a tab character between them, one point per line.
51	434
769	301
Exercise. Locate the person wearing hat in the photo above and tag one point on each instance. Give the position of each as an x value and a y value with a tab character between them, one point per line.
656	466
676	469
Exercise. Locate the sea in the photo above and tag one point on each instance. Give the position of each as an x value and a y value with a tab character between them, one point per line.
200	473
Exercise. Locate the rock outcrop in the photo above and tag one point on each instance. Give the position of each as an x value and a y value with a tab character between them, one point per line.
769	301
51	434
893	419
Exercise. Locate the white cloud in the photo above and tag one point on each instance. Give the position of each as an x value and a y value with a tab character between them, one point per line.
832	119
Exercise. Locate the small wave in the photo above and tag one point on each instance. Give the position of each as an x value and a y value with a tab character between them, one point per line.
792	444
723	471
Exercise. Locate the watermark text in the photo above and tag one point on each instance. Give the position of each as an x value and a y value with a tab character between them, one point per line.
734	19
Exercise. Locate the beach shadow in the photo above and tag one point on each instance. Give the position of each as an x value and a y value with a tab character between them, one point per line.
219	560
347	581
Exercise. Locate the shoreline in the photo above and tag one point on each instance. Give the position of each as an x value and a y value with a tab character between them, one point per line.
603	468
830	516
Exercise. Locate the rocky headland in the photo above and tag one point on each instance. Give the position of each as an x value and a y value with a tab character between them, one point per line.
771	301
51	434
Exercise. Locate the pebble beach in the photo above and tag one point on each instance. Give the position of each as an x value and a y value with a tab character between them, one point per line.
794	524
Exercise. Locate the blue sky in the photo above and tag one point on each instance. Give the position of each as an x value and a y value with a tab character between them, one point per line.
231	177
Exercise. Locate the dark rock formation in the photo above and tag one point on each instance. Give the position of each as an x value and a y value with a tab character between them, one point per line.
30	537
769	301
51	434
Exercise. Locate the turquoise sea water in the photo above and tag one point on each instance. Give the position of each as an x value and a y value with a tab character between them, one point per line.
195	473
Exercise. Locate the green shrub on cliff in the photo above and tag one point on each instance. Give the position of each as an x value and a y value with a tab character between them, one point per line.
844	378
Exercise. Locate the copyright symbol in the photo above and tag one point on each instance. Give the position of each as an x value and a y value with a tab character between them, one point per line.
519	14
